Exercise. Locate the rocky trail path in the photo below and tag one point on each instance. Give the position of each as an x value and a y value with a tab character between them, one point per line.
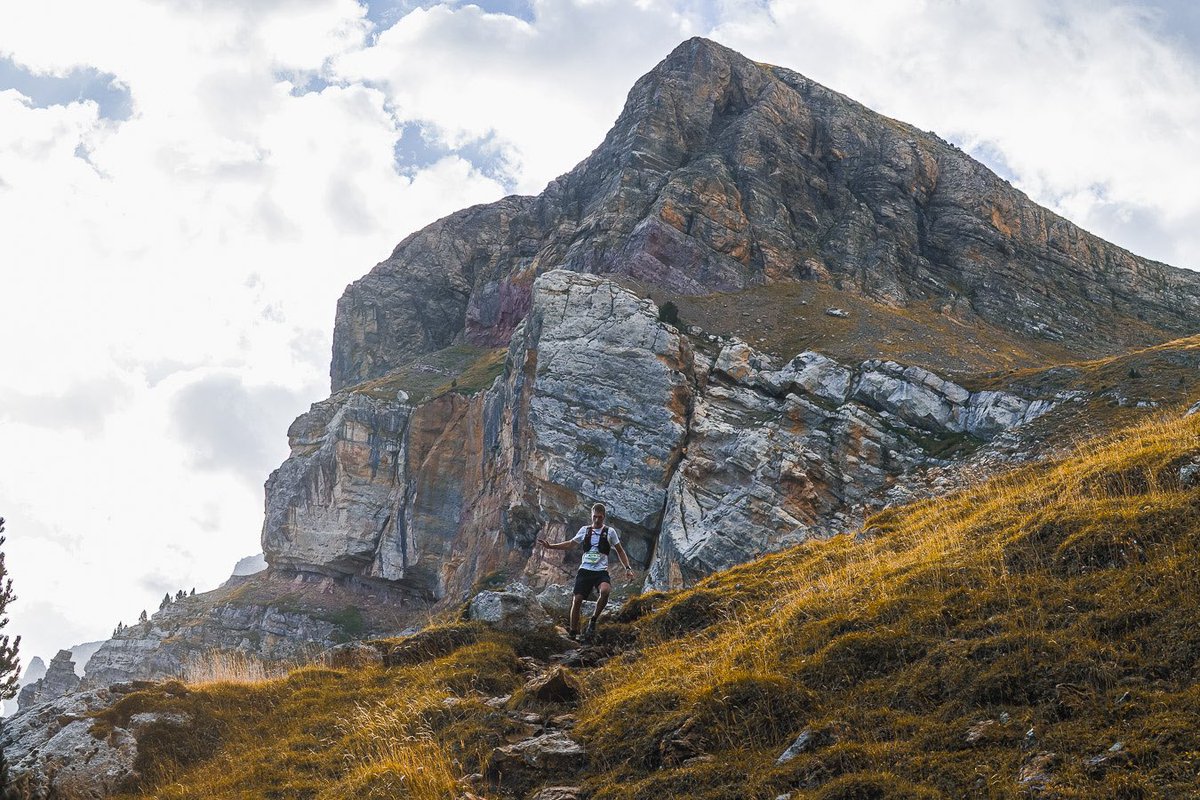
542	749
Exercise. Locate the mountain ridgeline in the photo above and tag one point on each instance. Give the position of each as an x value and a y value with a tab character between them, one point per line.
723	174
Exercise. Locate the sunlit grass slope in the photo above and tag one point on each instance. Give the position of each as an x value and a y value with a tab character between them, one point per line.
1036	635
1018	630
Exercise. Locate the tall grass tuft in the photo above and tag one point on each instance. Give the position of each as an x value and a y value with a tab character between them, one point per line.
233	666
394	753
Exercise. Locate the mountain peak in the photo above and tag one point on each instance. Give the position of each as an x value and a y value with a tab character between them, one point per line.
720	175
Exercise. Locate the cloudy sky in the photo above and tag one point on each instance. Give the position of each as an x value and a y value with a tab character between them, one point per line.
186	186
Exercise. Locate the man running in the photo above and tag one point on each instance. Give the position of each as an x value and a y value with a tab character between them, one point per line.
597	540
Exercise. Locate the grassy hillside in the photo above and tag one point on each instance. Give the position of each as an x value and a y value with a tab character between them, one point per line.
1035	635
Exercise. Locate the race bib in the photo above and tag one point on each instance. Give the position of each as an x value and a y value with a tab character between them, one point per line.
591	559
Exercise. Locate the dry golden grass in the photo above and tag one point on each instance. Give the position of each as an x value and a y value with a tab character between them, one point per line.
221	666
1038	618
1043	595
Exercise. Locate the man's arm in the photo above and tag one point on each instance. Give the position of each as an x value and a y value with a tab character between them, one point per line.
621	554
563	545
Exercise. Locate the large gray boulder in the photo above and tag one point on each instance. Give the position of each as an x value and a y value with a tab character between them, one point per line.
515	609
51	751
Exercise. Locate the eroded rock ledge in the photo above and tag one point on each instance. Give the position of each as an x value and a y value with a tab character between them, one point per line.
707	452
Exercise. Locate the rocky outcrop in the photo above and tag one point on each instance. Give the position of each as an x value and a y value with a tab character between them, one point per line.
267	617
515	609
51	751
707	454
60	679
722	173
332	500
593	406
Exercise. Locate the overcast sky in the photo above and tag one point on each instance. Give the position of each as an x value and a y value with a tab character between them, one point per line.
186	187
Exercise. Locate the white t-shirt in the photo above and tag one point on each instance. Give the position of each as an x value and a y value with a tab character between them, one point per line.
593	558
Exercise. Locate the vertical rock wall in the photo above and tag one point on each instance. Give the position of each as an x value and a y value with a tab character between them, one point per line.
703	460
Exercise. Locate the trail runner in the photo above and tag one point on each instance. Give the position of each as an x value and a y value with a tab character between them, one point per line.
598	540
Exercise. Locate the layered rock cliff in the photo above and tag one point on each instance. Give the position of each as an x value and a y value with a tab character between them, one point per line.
706	452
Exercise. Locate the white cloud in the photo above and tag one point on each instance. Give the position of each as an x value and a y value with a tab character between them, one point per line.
548	89
143	262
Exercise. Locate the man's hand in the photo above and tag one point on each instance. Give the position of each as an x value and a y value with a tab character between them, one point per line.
543	542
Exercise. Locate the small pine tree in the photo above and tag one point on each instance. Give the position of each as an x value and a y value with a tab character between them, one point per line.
668	312
179	595
143	616
10	664
193	591
166	601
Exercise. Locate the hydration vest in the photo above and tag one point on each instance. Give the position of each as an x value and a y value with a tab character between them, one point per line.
602	545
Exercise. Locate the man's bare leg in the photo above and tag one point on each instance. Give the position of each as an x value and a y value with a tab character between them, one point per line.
576	604
602	601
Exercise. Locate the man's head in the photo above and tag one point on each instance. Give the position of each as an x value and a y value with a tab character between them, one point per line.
598	514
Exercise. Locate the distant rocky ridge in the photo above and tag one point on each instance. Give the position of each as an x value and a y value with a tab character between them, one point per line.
266	616
60	679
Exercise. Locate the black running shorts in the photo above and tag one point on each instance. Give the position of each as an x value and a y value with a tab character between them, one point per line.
588	579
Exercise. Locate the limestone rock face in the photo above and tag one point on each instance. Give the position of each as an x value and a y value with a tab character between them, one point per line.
593	406
52	753
722	173
612	392
329	503
60	679
931	403
705	459
776	456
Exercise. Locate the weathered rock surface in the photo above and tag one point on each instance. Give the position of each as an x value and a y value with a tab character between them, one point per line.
60	679
593	406
52	752
776	456
722	173
515	609
556	686
335	496
531	761
705	459
559	793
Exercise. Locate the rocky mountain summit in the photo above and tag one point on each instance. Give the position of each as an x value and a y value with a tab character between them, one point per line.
723	174
721	178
